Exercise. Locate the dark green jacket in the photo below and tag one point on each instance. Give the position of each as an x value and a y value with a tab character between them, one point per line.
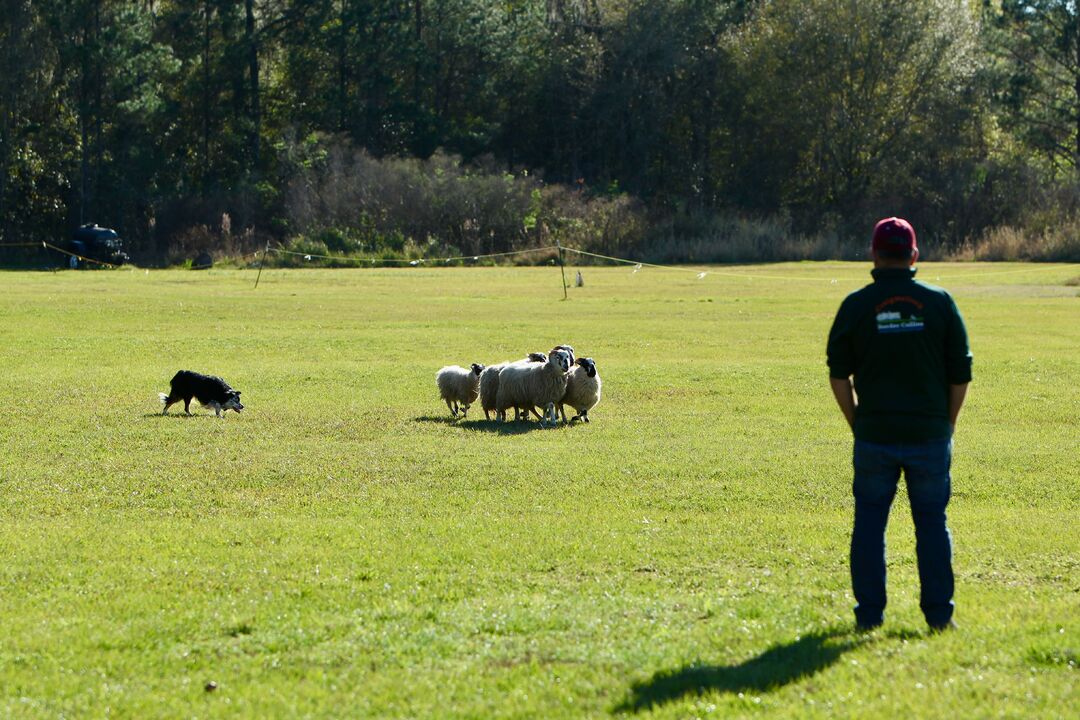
905	343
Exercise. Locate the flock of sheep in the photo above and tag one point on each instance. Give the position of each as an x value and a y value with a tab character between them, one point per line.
549	381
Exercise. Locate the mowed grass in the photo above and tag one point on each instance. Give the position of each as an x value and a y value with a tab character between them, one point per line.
343	548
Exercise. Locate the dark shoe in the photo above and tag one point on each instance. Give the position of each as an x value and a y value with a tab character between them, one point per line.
951	625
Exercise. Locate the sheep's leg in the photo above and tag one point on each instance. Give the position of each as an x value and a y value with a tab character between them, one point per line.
465	410
562	411
585	415
538	417
487	414
451	407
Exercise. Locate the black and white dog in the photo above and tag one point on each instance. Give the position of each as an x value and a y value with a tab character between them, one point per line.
210	390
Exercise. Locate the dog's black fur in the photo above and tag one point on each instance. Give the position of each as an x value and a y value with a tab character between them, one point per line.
210	390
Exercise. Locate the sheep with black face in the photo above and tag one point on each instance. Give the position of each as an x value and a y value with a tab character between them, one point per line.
534	385
523	413
569	351
489	383
582	389
459	386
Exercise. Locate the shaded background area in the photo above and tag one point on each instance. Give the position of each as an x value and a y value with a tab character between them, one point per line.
674	131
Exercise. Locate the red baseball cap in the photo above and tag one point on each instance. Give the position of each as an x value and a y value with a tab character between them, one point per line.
893	235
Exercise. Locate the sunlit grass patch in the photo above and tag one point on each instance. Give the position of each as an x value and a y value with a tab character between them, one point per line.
345	547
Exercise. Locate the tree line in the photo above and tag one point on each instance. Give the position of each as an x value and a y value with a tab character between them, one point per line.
679	129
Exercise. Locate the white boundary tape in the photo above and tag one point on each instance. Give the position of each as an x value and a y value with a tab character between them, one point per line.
638	265
701	274
417	261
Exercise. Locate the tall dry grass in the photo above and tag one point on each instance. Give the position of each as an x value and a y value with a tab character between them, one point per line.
1059	244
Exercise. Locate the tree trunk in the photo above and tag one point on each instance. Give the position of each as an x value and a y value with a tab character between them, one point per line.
206	93
369	134
343	56
99	82
418	21
5	122
8	94
84	109
1076	91
253	73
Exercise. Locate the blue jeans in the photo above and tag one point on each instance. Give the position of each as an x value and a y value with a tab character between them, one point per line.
877	471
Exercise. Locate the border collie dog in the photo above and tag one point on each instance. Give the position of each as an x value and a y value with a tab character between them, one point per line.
210	390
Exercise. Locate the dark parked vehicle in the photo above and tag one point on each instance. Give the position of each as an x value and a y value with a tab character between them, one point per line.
97	243
204	261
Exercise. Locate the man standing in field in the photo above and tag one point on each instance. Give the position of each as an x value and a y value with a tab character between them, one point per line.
906	347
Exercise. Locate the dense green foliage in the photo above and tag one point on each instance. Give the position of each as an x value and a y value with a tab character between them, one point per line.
342	548
163	117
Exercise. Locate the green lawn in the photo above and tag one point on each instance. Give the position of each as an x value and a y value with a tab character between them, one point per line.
343	549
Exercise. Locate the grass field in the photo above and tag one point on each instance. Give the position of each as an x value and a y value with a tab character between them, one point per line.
343	549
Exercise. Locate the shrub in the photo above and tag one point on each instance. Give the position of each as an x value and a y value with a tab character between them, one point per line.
1058	244
443	207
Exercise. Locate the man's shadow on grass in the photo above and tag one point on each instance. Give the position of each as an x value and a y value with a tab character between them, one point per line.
513	427
778	666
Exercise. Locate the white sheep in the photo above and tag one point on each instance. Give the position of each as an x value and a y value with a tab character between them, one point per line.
489	384
523	413
582	389
489	388
534	384
459	386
